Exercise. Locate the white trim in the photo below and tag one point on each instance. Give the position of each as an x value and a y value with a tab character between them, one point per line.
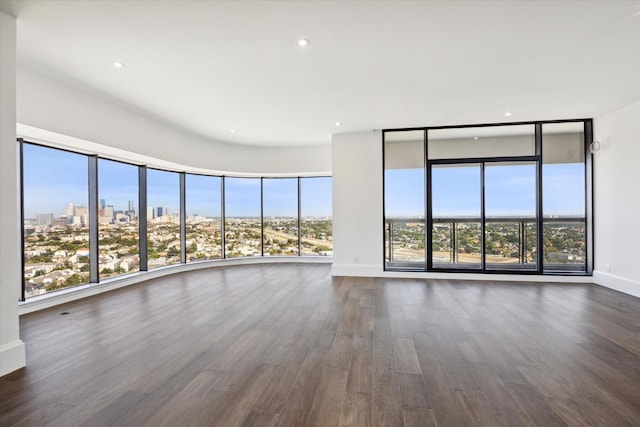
360	270
616	283
12	357
377	271
42	302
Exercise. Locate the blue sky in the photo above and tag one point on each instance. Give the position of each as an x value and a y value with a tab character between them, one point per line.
54	178
117	184
280	197
203	195
163	190
509	191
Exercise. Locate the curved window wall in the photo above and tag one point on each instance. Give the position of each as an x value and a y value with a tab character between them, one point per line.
87	219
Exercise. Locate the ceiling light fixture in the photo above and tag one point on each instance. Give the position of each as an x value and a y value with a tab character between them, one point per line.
475	137
508	113
232	130
338	123
303	42
118	64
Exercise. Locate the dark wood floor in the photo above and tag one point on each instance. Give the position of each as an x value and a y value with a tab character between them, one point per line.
271	345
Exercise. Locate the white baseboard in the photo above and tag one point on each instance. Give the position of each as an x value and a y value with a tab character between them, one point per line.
360	270
364	270
12	357
616	283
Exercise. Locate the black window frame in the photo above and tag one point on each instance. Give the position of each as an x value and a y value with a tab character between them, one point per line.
537	159
143	229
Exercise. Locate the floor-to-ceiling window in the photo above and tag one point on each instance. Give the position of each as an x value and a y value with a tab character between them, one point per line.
163	218
564	205
316	225
280	216
404	196
118	218
56	219
204	217
497	197
242	217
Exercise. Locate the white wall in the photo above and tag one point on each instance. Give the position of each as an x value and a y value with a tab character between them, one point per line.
617	200
357	204
12	349
55	106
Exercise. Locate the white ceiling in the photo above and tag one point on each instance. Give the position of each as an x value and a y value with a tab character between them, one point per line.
211	66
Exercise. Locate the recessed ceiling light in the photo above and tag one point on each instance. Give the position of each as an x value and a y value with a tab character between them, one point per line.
303	42
508	113
118	64
475	137
338	123
232	130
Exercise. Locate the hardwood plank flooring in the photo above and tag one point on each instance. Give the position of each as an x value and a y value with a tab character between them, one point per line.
289	345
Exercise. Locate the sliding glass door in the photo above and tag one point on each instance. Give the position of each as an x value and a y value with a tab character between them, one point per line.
456	200
510	216
483	216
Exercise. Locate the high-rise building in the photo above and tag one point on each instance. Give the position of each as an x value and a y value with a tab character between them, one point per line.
159	211
150	213
70	210
44	219
132	207
103	203
60	222
73	210
121	217
108	211
81	210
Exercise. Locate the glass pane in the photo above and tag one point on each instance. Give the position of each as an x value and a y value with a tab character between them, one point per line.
242	223
56	225
118	230
163	218
456	211
316	222
510	215
404	199
280	210
204	217
563	189
480	142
